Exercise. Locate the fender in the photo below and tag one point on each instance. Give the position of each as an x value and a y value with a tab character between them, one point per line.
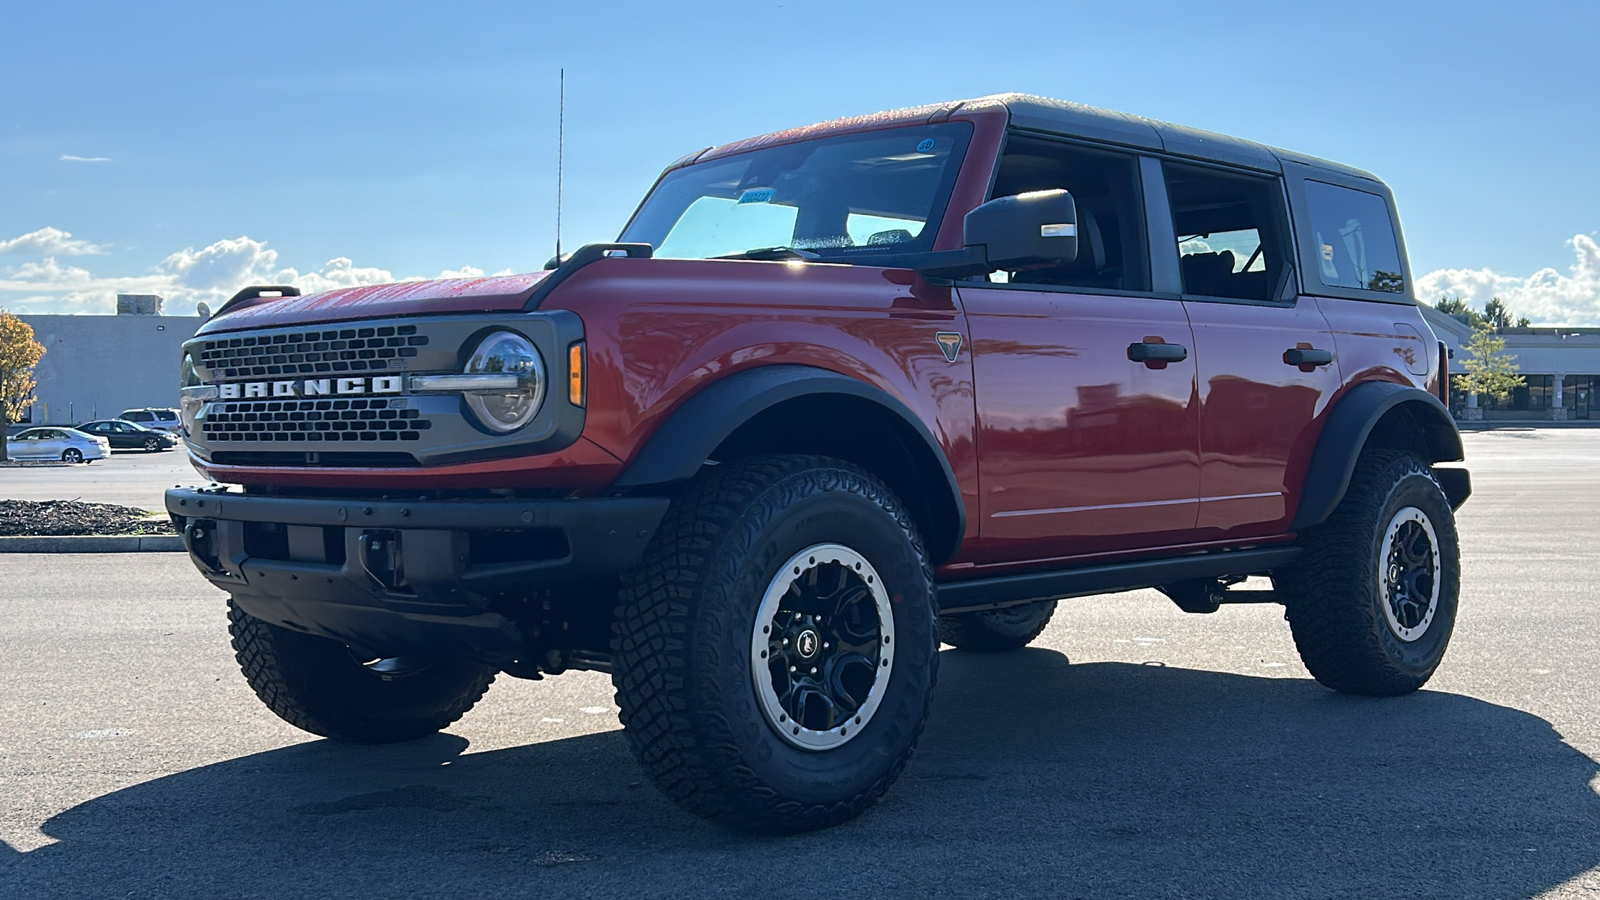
1349	426
693	432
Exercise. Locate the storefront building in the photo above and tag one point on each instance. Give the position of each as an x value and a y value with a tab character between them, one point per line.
1560	365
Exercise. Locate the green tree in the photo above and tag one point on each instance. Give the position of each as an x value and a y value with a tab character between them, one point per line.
1455	306
1491	372
19	353
1496	314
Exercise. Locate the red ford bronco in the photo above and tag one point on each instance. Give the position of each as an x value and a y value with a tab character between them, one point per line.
837	395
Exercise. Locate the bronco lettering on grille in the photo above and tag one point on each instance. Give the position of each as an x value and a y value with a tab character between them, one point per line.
309	387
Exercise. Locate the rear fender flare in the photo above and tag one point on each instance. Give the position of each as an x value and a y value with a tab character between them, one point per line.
1348	429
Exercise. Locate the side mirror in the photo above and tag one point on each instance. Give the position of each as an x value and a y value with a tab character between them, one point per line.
1039	227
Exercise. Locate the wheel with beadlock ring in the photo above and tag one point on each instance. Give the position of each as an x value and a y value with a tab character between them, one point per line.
1372	600
776	648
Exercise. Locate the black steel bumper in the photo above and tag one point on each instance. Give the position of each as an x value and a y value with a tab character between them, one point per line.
392	576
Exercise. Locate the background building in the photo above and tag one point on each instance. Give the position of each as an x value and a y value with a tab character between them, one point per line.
98	366
1561	367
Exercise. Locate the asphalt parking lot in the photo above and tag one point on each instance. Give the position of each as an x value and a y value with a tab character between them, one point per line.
1135	751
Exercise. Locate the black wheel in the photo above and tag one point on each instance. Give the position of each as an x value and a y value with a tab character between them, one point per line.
1372	601
72	455
776	648
321	686
151	444
997	630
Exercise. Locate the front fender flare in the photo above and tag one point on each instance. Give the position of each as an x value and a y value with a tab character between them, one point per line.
1344	436
682	444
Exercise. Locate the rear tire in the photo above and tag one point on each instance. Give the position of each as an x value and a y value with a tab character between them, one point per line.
1372	601
997	630
319	685
776	647
72	455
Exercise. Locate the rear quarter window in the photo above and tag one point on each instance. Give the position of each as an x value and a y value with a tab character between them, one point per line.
1352	235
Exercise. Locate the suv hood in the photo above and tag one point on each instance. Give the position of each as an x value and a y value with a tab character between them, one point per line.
491	294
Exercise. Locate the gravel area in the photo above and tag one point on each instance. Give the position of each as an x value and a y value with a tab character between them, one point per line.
56	518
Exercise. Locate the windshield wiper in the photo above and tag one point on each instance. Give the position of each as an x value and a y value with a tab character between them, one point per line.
772	253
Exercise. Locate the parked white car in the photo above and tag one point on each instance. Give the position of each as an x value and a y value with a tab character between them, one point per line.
67	444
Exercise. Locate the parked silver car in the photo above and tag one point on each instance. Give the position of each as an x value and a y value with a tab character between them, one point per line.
153	417
67	444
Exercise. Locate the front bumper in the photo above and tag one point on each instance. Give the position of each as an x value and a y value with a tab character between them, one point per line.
394	576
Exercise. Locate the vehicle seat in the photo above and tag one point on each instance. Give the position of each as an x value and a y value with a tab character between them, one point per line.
1088	269
1206	273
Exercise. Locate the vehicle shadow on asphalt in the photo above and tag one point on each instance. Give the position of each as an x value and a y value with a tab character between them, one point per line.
1034	778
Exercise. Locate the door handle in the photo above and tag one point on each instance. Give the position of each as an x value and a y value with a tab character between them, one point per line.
1157	355
1307	358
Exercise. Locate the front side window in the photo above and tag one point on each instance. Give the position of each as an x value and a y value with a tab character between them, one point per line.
1230	232
1354	239
833	196
1112	250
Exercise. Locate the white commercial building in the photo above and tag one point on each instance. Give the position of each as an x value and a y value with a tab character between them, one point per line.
94	367
1560	365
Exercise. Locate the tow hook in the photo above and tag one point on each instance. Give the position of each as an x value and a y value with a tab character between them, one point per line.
380	558
200	539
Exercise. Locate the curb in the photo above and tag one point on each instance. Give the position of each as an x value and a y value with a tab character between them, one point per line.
118	543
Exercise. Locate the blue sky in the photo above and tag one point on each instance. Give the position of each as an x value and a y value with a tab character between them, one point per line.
188	148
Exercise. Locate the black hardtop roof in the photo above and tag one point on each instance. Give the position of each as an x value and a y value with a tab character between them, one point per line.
1077	120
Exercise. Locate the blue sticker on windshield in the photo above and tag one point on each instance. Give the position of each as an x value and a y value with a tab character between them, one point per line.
757	195
925	146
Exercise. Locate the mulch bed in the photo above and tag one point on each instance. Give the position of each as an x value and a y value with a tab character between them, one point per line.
57	518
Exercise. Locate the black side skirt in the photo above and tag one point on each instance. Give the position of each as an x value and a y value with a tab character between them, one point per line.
1011	590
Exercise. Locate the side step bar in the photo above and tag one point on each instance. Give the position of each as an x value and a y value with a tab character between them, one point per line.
1011	590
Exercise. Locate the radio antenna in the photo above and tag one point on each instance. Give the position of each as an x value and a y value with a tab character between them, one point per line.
561	146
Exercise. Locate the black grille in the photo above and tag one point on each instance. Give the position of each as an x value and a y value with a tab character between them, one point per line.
312	352
290	458
314	421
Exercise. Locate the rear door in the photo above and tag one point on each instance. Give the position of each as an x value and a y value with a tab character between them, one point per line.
1267	367
1083	449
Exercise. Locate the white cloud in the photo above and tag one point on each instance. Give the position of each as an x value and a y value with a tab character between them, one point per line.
211	274
68	157
48	242
1548	297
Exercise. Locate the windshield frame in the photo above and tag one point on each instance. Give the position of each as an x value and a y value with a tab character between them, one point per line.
960	131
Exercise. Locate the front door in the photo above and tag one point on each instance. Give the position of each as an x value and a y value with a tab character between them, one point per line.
1082	450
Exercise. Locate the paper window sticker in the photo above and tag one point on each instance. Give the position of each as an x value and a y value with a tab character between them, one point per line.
1330	272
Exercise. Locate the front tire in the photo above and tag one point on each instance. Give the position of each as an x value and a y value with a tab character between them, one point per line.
776	647
321	686
1372	601
151	445
997	630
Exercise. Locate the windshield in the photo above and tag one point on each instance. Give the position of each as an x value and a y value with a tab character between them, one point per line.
873	192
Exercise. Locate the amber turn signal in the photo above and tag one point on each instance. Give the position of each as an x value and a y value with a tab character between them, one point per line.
575	374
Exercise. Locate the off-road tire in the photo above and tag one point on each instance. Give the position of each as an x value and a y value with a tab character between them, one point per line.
682	643
318	685
1335	595
997	630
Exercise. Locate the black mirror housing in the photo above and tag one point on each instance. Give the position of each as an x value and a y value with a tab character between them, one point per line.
1035	228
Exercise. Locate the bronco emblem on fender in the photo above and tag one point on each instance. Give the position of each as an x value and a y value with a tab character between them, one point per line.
949	344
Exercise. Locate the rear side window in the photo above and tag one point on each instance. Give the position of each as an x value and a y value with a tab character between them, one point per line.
137	417
1230	232
166	415
1354	239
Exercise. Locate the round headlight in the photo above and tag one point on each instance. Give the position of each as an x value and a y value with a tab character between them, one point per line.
511	407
